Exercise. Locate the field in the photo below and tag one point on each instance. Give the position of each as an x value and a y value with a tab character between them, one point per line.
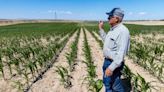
155	22
68	57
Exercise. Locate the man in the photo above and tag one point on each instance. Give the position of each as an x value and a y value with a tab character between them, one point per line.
116	45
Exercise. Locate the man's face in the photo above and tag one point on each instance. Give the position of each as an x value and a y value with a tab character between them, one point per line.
112	20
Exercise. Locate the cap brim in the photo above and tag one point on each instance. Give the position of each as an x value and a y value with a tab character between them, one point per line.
109	14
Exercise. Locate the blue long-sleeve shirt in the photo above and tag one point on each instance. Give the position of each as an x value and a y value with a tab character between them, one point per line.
116	44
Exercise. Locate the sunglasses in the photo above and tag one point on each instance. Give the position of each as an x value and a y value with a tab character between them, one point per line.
110	17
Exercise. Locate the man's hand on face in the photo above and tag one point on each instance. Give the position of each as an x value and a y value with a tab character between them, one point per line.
101	24
108	72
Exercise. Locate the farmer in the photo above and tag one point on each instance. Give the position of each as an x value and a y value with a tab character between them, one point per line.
116	45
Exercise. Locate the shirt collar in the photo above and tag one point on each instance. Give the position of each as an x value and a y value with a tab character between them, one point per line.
112	28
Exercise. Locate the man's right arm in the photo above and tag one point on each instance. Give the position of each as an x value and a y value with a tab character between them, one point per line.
101	31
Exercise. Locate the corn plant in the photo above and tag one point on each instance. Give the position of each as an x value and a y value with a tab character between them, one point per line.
137	81
127	72
93	84
99	41
25	76
16	62
158	50
91	69
70	62
65	77
26	53
72	55
160	71
1	66
31	67
146	60
40	60
144	86
19	86
135	86
8	52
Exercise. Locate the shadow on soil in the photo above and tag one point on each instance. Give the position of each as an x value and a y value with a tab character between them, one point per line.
127	85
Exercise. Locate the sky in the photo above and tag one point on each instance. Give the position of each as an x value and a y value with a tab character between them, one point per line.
80	9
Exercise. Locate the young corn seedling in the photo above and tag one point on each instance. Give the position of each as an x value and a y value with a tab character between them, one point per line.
135	85
151	61
96	85
8	52
93	84
160	72
99	41
40	61
91	69
70	62
25	76
65	78
127	72
31	67
1	67
19	86
144	86
9	64
16	62
71	57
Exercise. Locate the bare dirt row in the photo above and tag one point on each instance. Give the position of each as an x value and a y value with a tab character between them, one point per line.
50	81
97	54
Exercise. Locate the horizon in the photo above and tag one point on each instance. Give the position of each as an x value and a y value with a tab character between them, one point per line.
79	9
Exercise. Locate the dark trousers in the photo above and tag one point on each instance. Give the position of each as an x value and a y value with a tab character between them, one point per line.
112	83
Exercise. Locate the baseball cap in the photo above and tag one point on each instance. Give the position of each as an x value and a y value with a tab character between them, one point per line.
116	12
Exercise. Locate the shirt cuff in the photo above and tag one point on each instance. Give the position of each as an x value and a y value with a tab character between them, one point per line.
113	66
101	31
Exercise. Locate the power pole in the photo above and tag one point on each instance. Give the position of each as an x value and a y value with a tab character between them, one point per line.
55	15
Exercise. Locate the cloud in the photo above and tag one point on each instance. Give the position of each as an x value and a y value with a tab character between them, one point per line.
65	12
60	12
130	13
139	13
142	13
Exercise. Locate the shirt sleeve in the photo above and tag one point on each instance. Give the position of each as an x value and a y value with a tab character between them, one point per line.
107	53
119	55
102	34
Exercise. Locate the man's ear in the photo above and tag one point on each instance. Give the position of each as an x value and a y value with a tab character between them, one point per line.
117	21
